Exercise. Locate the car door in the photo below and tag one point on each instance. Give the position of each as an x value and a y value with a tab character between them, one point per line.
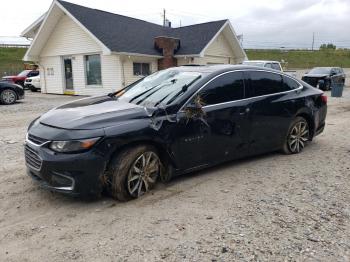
220	130
272	109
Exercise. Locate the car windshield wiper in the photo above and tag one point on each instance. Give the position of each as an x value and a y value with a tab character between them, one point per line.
183	90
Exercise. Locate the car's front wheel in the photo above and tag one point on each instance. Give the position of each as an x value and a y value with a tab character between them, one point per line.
134	172
8	97
298	135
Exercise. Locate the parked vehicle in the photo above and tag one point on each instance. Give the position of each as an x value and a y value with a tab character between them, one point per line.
264	63
324	77
269	64
19	79
32	83
10	93
172	122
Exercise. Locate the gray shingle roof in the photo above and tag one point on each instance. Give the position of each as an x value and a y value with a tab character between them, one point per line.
125	34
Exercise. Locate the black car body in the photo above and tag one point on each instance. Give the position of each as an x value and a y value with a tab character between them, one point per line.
325	77
10	93
217	113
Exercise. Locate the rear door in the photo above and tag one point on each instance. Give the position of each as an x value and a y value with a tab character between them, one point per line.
222	130
272	109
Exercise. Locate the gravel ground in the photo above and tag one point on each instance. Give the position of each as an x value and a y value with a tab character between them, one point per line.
268	208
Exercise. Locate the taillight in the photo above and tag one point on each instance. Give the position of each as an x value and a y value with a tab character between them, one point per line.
324	98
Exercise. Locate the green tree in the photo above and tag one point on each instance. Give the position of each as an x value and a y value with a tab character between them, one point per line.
328	46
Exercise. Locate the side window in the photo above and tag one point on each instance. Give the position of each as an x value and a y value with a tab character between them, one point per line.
265	83
33	73
225	88
289	83
276	66
268	65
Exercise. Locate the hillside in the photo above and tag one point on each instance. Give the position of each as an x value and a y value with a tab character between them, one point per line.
11	60
302	58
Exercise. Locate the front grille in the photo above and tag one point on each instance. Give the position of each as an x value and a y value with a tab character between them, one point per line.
311	81
32	158
36	140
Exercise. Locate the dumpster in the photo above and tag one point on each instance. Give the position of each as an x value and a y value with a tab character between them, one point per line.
337	89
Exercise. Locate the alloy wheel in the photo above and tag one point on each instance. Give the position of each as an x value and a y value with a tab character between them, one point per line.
298	136
8	96
143	174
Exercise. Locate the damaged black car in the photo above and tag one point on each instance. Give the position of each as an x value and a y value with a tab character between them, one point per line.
172	122
325	78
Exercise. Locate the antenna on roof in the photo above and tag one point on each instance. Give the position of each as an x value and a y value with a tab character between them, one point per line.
164	17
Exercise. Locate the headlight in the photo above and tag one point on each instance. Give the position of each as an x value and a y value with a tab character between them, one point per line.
73	145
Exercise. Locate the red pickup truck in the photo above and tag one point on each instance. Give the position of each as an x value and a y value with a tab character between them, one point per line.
21	77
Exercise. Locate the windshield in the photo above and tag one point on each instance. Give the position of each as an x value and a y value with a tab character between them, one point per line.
320	70
23	73
260	64
161	88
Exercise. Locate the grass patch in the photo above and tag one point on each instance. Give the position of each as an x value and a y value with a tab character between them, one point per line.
11	60
303	59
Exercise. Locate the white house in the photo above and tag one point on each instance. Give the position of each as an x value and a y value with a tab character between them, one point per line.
85	51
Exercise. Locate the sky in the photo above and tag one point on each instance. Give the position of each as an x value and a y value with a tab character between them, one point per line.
263	23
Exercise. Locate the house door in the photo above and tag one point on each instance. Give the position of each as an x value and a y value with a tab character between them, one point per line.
68	73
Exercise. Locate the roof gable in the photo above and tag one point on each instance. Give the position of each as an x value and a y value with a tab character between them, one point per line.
122	34
138	35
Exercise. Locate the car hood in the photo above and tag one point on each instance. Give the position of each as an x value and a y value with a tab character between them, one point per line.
9	77
33	78
316	75
93	113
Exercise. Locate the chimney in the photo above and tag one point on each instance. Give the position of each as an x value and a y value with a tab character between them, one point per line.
168	46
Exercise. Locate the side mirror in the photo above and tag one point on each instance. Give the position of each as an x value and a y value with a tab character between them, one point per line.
192	107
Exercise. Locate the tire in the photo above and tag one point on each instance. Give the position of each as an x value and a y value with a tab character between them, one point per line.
8	97
297	137
133	172
33	89
327	86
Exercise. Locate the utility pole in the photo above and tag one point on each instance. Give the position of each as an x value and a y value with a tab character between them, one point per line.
313	41
163	17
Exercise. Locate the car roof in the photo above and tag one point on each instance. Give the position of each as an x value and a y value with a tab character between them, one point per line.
218	69
262	61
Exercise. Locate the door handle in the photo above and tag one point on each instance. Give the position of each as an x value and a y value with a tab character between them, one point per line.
246	111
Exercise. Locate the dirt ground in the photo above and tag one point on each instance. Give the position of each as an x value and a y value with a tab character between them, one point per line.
268	208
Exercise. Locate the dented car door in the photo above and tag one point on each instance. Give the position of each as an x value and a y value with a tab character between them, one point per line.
214	124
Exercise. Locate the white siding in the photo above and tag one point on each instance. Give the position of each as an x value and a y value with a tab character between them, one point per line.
129	76
218	52
110	71
68	38
51	83
219	47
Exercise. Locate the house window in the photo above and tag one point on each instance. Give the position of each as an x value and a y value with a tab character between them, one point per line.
93	69
141	69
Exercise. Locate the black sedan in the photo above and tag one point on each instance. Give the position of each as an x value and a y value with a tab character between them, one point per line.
10	93
170	123
325	77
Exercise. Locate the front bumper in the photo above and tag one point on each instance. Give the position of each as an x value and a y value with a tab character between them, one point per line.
31	85
73	174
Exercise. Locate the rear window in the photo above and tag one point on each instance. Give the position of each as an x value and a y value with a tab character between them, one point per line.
289	83
276	66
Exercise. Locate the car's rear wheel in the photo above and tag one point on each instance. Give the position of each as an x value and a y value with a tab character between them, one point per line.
134	172
298	136
8	97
